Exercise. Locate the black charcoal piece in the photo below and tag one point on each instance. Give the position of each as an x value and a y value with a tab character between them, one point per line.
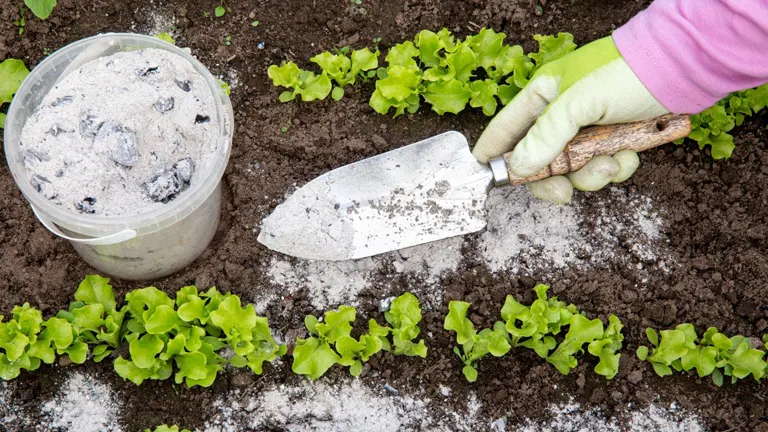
163	188
202	119
117	142
86	205
184	85
63	101
89	126
164	104
184	169
152	70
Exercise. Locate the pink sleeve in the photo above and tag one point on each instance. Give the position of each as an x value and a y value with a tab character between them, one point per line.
692	53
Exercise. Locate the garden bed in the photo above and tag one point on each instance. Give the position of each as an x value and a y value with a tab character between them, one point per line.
683	241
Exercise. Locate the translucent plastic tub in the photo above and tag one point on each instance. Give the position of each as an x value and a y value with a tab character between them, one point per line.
145	246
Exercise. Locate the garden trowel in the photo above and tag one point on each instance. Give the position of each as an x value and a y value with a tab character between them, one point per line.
427	191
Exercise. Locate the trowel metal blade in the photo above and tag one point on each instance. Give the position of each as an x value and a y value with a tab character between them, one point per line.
427	191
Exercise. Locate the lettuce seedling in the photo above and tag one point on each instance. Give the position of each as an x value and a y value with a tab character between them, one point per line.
581	331
189	332
346	70
404	316
714	354
26	341
314	356
94	317
711	126
331	341
474	346
606	348
355	352
401	87
303	83
534	327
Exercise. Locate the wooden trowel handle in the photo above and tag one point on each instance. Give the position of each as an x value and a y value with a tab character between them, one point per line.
608	140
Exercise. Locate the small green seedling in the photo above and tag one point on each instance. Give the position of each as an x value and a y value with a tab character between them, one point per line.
21	22
474	345
255	23
219	11
228	40
224	87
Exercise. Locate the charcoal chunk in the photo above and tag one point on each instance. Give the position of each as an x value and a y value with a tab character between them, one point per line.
152	70
184	170
63	101
86	205
170	181
89	126
118	142
164	187
202	119
164	104
184	85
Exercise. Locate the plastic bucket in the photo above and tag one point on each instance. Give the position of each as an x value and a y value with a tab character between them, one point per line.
145	246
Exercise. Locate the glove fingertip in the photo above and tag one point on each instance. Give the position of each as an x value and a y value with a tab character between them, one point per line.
595	175
556	189
628	161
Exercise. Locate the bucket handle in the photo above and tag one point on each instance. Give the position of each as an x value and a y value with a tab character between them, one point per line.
111	239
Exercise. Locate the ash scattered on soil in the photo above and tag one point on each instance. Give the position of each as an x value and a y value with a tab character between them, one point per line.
83	404
571	417
332	283
526	235
347	405
12	416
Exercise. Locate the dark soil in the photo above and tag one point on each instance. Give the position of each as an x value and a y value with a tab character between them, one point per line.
715	215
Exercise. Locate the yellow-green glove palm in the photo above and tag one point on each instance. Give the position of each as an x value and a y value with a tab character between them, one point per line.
590	86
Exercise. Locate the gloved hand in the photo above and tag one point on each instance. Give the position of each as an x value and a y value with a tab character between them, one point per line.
590	86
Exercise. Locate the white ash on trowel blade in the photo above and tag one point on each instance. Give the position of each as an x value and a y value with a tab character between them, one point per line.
123	134
117	142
